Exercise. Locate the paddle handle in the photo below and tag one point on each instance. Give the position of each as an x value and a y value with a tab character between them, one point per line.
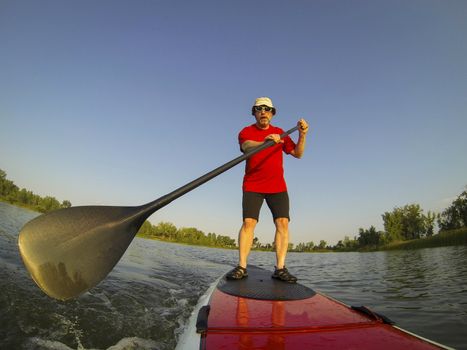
163	201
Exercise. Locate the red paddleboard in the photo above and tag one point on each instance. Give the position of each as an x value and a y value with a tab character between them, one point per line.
259	312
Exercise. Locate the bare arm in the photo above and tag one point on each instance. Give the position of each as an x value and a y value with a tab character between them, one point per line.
248	145
302	131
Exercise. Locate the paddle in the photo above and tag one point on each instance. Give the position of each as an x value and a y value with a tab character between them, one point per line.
71	250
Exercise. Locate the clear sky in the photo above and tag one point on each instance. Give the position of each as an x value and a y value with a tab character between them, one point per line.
120	102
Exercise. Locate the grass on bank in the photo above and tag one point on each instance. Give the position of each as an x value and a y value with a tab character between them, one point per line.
443	239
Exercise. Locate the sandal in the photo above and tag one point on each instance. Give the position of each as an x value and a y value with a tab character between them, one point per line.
284	275
237	273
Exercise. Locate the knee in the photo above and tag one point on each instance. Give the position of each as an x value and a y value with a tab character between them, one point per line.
282	224
249	223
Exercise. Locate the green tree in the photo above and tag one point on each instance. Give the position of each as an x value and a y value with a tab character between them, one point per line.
369	238
309	246
430	223
406	223
322	244
455	216
48	204
165	230
256	243
212	239
66	204
226	242
11	193
393	224
146	229
190	235
24	196
8	190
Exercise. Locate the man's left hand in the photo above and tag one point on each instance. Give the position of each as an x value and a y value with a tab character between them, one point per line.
302	126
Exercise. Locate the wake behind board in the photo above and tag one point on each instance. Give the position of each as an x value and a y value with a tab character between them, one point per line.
259	312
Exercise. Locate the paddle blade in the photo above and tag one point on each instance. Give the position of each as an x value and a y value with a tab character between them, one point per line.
71	250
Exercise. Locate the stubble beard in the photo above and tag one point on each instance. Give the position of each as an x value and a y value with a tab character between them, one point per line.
264	122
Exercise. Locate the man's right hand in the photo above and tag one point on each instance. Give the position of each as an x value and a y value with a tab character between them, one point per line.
275	137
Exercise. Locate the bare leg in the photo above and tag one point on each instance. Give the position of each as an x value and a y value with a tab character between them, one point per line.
245	240
282	240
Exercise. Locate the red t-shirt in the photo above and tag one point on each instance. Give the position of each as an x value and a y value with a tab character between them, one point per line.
264	172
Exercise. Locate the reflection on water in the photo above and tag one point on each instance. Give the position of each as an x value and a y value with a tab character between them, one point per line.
147	298
407	275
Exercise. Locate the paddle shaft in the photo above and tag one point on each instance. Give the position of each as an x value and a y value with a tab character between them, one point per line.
164	200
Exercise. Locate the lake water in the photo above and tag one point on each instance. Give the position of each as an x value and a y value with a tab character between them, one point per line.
146	300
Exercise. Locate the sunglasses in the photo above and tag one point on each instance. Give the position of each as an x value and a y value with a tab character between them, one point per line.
262	108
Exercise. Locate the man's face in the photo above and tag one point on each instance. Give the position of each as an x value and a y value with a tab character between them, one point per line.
263	116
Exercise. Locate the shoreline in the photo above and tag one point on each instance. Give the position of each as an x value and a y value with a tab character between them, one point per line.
456	237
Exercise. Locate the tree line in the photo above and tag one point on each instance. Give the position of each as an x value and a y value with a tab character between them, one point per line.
12	194
167	231
401	224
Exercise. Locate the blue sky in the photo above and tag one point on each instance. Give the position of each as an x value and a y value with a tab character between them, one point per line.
121	102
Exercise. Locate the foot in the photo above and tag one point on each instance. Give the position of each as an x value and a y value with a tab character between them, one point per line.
284	275
237	273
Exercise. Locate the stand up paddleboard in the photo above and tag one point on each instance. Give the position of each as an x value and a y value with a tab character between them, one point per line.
259	312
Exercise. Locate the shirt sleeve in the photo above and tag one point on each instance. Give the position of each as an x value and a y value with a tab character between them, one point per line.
242	137
288	145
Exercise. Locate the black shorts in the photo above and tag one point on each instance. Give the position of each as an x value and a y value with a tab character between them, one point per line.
278	203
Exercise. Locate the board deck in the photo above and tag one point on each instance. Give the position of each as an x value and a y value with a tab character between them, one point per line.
261	313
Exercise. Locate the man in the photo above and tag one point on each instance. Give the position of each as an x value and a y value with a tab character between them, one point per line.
264	180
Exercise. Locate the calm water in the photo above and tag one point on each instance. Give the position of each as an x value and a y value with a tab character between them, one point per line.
146	300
